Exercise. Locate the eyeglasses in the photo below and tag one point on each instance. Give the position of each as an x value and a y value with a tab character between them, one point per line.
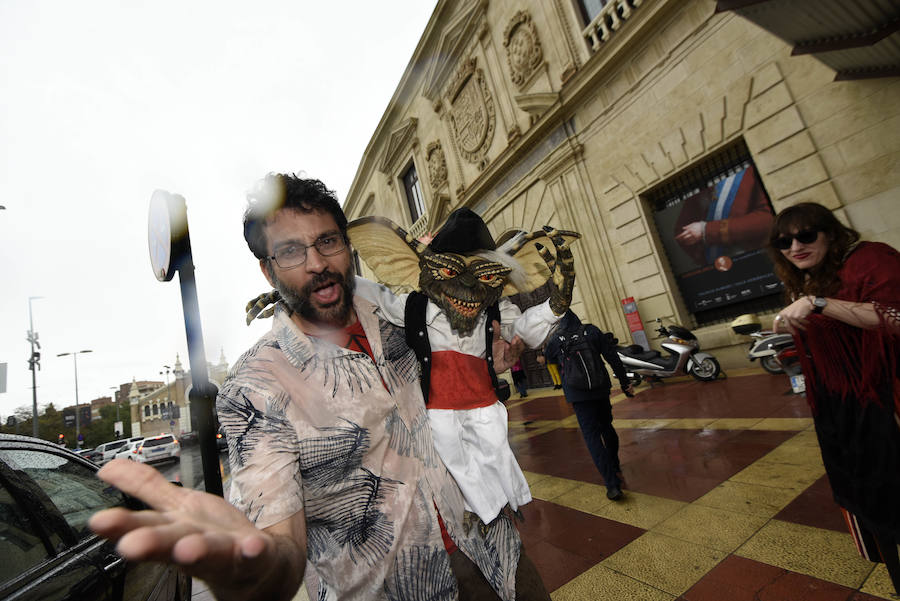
294	254
804	237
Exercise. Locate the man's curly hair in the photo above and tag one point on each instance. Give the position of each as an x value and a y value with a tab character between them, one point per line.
279	191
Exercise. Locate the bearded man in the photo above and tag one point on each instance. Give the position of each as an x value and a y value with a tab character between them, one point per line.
335	480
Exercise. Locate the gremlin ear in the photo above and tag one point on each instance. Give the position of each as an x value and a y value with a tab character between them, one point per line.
524	248
388	250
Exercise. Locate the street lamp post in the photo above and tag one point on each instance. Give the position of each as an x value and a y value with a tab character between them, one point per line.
116	400
77	410
168	392
34	364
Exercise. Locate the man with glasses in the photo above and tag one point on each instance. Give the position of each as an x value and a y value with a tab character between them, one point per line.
332	458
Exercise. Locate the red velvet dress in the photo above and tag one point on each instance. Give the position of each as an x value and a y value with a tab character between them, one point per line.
854	391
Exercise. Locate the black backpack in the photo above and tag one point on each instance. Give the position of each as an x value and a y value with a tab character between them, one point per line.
582	368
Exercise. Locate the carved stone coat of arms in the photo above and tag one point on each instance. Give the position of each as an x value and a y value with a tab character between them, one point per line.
472	117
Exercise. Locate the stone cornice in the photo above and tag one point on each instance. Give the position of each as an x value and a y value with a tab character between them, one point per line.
402	139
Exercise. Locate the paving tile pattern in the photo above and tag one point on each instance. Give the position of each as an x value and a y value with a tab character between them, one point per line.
726	499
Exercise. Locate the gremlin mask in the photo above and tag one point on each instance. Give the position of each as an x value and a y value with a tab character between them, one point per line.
462	270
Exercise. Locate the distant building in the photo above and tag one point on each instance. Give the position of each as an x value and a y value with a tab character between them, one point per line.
96	404
165	407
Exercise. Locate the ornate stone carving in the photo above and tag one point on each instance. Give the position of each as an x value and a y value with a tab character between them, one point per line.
437	165
472	118
523	48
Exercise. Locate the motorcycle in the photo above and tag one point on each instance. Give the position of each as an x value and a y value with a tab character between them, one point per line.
684	357
765	345
789	357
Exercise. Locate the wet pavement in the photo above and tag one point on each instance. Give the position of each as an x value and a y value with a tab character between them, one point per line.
726	499
189	470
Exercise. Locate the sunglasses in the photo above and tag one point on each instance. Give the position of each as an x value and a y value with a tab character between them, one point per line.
804	237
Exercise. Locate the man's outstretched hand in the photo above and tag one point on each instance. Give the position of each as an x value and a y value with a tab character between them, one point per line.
201	532
505	353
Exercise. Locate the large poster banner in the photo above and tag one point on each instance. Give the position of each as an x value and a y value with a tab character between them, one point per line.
714	238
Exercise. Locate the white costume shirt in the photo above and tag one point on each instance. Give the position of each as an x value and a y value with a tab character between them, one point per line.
473	443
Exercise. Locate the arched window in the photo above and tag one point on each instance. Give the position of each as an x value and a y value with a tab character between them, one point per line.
146	410
155	409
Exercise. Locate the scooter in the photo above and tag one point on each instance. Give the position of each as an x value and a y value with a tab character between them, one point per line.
684	357
765	345
789	358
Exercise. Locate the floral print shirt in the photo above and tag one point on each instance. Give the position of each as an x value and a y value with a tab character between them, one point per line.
316	427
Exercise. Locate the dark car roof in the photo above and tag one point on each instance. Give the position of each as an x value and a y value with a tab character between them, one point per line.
31	439
17	439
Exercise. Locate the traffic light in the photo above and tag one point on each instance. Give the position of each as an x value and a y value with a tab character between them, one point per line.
62	439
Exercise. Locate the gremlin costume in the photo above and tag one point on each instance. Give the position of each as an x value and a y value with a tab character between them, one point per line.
463	276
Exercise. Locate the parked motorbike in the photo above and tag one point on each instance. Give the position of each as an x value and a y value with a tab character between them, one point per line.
684	357
789	357
765	345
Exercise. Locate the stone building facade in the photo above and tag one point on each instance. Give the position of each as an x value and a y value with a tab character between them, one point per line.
592	115
165	407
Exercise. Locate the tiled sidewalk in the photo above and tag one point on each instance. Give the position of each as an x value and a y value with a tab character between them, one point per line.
726	499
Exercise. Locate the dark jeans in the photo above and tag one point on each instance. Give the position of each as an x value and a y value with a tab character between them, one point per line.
474	587
521	382
595	421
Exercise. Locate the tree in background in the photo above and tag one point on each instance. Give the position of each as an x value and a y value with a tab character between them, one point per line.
50	426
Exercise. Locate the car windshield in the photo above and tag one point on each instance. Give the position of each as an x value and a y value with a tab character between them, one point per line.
153	442
115	445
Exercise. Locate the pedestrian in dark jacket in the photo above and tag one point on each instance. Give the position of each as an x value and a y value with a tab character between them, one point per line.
592	406
520	379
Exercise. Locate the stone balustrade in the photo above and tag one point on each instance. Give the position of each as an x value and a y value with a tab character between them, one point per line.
420	227
608	21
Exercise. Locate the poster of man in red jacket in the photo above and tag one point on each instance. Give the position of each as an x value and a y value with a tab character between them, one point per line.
725	219
715	237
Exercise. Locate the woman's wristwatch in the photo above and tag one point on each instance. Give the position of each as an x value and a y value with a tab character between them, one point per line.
818	303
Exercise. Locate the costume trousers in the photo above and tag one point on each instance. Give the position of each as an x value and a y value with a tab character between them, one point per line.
595	421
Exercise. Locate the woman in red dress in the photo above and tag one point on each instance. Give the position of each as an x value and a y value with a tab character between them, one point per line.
845	319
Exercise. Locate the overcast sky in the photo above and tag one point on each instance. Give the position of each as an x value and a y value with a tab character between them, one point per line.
101	102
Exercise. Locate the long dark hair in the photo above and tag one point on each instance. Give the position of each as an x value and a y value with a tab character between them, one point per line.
822	280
